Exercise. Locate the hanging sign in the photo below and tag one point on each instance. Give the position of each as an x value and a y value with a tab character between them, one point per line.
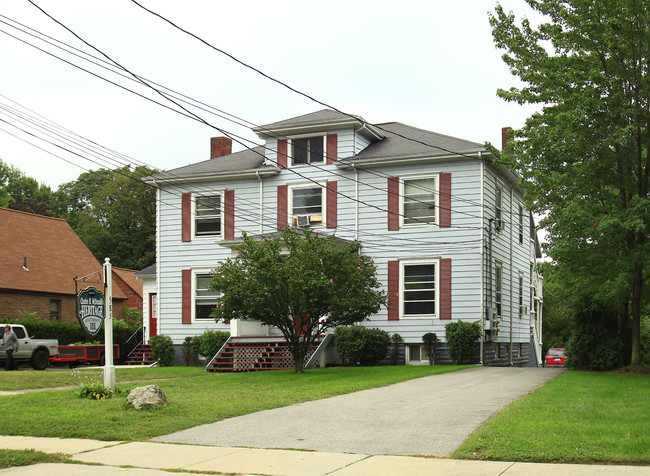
90	303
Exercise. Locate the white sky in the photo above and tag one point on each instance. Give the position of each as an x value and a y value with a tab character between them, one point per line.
430	64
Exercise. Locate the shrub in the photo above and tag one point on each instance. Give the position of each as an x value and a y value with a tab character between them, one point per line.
430	341
211	341
396	339
594	343
187	350
162	349
645	340
362	345
461	339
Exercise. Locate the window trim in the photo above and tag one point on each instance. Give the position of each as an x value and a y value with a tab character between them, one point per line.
436	194
323	203
520	284
56	317
436	277
290	140
195	274
424	359
213	193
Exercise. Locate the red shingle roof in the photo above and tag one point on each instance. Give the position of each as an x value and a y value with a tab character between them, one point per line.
129	279
52	252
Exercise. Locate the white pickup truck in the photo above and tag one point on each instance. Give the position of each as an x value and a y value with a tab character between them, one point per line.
35	352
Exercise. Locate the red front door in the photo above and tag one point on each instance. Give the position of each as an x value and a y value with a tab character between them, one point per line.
153	315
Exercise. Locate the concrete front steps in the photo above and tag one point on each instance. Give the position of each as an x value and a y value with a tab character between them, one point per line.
253	353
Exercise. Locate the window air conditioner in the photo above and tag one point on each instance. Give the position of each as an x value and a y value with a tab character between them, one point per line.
302	220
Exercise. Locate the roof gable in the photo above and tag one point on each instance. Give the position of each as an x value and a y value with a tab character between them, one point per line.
43	254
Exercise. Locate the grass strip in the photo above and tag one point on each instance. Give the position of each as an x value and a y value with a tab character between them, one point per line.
578	417
11	458
191	401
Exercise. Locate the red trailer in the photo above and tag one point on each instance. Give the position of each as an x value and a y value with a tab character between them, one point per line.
75	355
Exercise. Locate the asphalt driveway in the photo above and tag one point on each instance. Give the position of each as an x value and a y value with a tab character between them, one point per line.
426	416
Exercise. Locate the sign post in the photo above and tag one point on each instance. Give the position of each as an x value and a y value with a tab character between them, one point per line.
109	368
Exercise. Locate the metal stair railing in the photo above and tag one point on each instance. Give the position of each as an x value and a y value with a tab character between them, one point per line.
315	357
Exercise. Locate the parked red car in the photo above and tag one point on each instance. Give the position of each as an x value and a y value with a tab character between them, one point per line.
555	356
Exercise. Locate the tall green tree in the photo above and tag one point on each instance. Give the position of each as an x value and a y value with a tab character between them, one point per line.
299	281
113	212
20	192
584	157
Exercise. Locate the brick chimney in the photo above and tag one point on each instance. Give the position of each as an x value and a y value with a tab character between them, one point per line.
506	136
220	146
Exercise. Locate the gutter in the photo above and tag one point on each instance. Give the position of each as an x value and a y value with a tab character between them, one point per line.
244	174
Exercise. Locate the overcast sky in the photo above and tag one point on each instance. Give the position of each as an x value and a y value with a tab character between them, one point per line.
430	64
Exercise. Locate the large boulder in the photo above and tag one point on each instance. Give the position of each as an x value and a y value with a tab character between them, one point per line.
150	396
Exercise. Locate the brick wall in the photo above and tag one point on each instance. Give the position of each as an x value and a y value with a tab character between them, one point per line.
132	298
11	303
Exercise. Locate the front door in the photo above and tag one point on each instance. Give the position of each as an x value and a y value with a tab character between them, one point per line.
153	315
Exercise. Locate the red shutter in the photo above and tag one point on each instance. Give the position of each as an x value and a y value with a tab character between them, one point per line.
283	210
186	302
229	214
331	197
445	288
282	153
444	192
393	290
186	217
332	148
393	203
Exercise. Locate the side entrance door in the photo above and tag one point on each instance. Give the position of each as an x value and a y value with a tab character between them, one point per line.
153	315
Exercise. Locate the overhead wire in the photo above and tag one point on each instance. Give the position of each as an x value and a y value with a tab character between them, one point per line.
133	77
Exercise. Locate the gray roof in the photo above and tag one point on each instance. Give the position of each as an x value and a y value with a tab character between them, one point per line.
148	271
324	116
239	161
407	141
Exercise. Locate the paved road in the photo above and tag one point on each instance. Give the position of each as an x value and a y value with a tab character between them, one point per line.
426	416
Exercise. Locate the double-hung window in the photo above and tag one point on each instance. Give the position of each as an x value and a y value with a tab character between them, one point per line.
205	299
307	202
521	224
308	150
498	207
419	200
498	288
207	214
419	293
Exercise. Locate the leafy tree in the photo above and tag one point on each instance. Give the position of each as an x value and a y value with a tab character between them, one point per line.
300	282
584	157
113	212
461	339
559	303
20	192
594	343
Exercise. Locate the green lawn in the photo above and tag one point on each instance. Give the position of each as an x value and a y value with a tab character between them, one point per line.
194	398
578	417
11	458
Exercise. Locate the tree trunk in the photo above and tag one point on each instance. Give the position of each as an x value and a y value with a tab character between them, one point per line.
637	288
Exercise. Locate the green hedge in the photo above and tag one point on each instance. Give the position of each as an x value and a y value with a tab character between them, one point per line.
69	334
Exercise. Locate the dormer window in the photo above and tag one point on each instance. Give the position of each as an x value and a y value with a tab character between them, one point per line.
309	150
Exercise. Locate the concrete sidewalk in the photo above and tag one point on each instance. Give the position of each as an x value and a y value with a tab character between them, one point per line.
108	458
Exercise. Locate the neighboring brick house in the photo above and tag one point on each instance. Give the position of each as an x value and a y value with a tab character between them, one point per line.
40	257
443	221
130	286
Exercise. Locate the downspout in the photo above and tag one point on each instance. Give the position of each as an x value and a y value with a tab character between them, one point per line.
159	297
511	271
482	261
261	201
356	203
